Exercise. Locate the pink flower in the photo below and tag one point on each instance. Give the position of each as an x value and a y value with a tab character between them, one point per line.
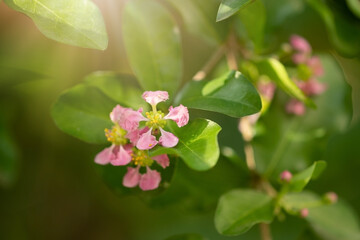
162	160
314	63
105	156
115	154
148	181
299	58
311	87
300	44
134	136
154	97
178	114
304	213
168	139
295	107
266	89
127	118
286	176
146	141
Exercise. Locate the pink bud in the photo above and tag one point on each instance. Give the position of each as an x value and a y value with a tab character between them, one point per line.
312	87
178	114
154	97
304	212
286	176
299	58
168	139
150	180
300	44
314	63
296	107
331	197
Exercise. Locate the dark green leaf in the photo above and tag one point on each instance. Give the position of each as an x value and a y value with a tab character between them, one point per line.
354	6
74	22
334	222
301	179
294	202
152	42
238	210
191	236
198	144
276	71
13	76
83	111
231	94
230	7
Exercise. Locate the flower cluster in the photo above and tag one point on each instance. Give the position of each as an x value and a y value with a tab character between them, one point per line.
309	68
130	142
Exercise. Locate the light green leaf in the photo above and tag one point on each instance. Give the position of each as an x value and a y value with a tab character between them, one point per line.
294	202
238	210
301	179
191	236
13	76
354	6
74	22
344	34
276	71
198	145
152	41
334	222
231	94
230	7
83	111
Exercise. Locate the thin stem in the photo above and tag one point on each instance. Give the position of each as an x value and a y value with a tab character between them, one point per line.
231	53
250	159
209	65
265	231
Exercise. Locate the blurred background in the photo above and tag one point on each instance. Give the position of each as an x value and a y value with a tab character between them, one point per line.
49	187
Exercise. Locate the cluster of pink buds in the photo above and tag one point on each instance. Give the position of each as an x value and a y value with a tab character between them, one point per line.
131	143
309	69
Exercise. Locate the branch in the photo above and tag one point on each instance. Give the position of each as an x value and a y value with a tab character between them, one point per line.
215	58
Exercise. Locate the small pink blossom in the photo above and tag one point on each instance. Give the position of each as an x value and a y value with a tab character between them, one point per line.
296	107
178	114
105	156
146	141
127	118
299	58
314	63
162	160
150	180
304	213
311	87
123	156
132	177
266	89
286	176
331	197
134	136
168	139
154	97
300	44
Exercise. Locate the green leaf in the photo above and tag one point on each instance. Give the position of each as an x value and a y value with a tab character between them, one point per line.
336	221
230	7
231	94
276	71
253	18
294	202
83	111
343	33
354	6
301	179
191	236
152	41
74	22
239	210
198	145
13	76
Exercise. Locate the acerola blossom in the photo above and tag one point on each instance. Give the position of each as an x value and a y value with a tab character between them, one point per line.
286	176
304	213
156	121
311	87
300	44
331	197
296	107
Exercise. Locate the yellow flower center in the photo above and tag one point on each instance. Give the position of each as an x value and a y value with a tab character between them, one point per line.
141	158
156	119
116	135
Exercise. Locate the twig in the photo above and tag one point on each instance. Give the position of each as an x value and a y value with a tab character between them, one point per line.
265	231
231	52
209	65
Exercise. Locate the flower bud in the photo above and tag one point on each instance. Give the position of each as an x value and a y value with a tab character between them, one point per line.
330	197
285	176
304	212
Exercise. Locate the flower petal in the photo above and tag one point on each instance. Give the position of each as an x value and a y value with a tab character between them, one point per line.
146	141
295	107
130	119
123	157
168	139
178	114
162	160
116	113
132	177
299	58
312	87
154	97
316	66
105	156
134	136
300	44
150	180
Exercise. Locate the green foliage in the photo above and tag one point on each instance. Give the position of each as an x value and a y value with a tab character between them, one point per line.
74	22
152	41
301	179
230	7
276	71
83	111
186	237
198	145
294	202
354	6
231	94
336	221
13	76
238	210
